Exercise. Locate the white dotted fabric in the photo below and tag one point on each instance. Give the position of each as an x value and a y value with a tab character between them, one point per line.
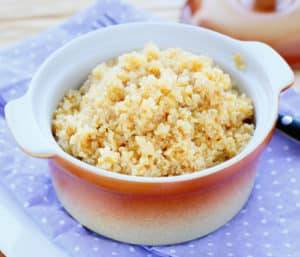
268	226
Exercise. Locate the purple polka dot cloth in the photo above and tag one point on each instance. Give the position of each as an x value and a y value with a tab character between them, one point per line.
267	226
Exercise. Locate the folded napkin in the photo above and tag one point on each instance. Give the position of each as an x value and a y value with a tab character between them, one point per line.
269	225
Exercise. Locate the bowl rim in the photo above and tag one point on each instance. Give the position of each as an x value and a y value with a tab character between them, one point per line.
248	149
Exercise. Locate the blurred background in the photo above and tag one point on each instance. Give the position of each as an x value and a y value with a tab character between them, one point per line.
20	19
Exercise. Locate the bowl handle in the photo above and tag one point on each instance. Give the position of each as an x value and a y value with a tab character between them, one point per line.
24	127
278	71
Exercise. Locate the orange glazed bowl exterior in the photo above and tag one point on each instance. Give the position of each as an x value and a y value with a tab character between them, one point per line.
149	210
171	213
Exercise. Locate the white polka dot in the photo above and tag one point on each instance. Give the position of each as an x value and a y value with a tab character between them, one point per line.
261	209
29	189
227	233
263	221
26	204
269	254
273	172
259	197
249	255
298	204
247	234
284	231
286	148
288	159
279	207
275	182
248	245
267	245
95	249
191	245
228	244
172	251
244	211
45	198
229	254
32	178
12	186
77	248
210	244
44	220
286	120
266	233
271	161
210	253
278	194
269	149
282	220
258	186
291	170
62	222
293	180
288	245
131	249
96	239
245	223
46	187
295	192
113	253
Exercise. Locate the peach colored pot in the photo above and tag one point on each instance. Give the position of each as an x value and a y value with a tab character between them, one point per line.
274	22
144	210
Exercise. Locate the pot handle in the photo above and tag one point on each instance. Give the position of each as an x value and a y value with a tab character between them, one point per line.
278	71
24	127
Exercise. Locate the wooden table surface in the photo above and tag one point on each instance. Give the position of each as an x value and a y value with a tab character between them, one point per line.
20	19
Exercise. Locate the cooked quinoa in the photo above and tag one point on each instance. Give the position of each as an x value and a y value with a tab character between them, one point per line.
154	113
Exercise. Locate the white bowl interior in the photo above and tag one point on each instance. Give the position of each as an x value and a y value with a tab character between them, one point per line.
69	67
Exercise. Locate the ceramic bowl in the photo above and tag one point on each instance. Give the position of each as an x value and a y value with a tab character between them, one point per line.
146	210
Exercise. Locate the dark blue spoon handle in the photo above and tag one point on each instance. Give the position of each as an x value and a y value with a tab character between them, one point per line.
289	125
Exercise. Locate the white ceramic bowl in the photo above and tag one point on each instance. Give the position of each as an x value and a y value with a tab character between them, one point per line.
142	209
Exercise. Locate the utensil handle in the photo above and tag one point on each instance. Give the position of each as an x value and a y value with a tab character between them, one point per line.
289	125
